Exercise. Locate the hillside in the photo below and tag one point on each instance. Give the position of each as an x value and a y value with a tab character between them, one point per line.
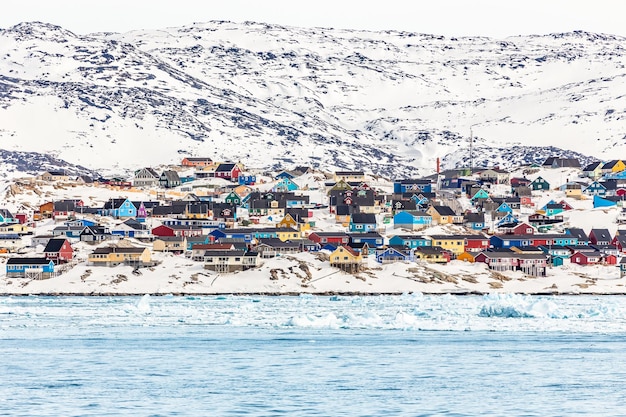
388	102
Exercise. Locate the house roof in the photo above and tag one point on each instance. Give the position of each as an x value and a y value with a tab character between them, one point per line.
117	249
54	245
28	261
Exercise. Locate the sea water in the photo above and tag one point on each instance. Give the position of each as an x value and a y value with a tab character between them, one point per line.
412	355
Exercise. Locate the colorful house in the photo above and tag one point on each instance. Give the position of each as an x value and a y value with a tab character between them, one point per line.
35	268
285	184
412	220
337	238
116	255
410	241
362	223
346	259
412	186
119	208
444	215
540	184
452	243
228	171
59	250
393	254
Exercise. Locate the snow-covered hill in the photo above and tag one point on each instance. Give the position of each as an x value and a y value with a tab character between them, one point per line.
387	102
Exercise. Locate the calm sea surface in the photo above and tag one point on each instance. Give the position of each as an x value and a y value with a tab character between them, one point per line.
407	355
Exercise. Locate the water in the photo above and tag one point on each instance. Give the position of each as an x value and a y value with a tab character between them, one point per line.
410	355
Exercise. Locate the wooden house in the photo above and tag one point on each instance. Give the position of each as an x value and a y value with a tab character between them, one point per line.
94	234
169	179
495	176
230	260
410	241
540	184
116	255
337	238
119	208
362	223
146	178
412	220
173	244
272	247
346	259
593	170
196	162
600	237
432	254
444	215
455	244
34	268
392	254
228	171
59	250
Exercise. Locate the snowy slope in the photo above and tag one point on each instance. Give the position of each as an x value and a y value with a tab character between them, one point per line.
387	102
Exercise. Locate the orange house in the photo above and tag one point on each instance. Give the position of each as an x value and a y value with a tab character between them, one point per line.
46	210
196	162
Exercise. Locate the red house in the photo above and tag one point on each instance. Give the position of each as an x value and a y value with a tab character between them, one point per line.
522	228
476	243
227	171
176	230
336	238
59	251
586	258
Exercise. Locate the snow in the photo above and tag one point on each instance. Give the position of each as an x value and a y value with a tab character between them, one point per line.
176	274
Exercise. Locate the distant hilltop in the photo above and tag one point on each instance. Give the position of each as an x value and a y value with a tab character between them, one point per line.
269	95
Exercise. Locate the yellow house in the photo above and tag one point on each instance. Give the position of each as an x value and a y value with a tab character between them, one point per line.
431	254
170	244
346	259
197	211
454	244
115	255
444	215
349	176
615	165
574	190
287	233
54	176
14	229
289	222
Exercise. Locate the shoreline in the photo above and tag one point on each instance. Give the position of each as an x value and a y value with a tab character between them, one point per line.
299	294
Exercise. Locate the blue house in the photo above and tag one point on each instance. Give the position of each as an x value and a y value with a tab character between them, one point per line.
505	208
362	222
118	208
285	184
246	234
373	239
474	221
246	179
411	241
394	254
595	188
37	268
412	220
412	186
